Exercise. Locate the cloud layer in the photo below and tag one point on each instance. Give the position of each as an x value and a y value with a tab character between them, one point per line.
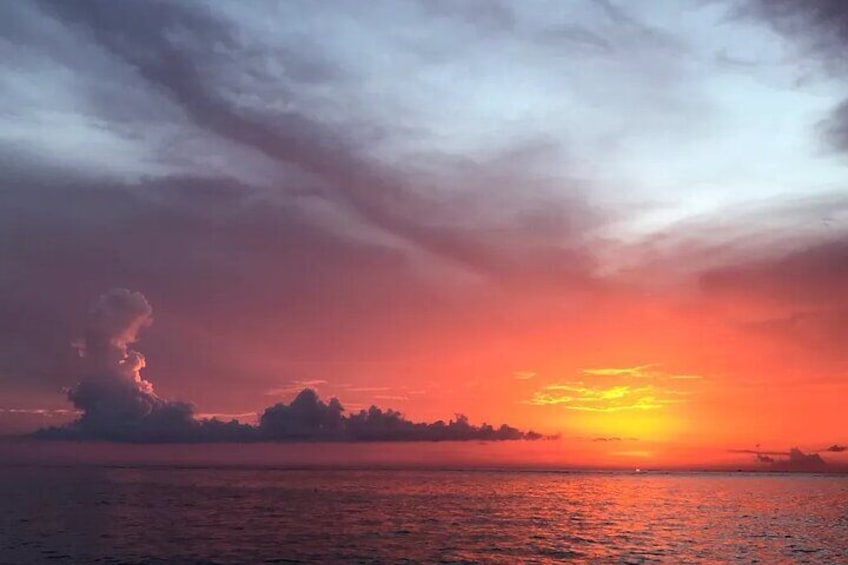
118	404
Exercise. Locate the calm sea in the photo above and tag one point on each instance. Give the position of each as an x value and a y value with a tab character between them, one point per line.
179	515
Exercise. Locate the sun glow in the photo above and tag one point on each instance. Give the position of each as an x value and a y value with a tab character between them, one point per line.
658	426
641	402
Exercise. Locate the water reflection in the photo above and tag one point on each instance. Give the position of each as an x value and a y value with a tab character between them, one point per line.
233	516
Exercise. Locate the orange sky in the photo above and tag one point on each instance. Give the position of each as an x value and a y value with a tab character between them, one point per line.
431	209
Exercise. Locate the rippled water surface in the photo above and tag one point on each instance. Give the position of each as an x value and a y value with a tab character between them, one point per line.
144	515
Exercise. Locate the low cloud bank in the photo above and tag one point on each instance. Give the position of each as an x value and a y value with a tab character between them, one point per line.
306	418
118	404
309	418
792	460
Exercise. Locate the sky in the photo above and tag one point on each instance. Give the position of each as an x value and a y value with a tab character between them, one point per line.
621	223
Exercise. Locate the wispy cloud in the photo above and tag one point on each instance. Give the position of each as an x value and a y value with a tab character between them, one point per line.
637	371
524	375
227	415
391	397
294	387
647	371
40	411
578	396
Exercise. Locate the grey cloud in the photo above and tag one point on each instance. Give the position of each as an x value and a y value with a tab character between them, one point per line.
836	128
185	70
115	400
803	284
813	273
788	461
64	242
378	425
821	29
819	25
798	460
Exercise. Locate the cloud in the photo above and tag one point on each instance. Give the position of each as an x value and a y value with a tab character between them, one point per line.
800	461
524	375
638	371
325	174
114	323
295	386
594	397
378	425
245	162
308	418
305	418
648	371
792	460
49	412
117	403
821	30
795	296
581	397
809	276
351	388
171	47
835	448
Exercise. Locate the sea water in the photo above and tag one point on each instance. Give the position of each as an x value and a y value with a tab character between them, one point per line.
90	514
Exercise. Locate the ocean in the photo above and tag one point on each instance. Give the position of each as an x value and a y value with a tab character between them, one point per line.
101	514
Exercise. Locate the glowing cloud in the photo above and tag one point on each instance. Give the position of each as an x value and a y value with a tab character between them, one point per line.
648	371
578	396
638	371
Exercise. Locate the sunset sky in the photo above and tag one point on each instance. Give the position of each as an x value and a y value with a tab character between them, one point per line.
625	223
